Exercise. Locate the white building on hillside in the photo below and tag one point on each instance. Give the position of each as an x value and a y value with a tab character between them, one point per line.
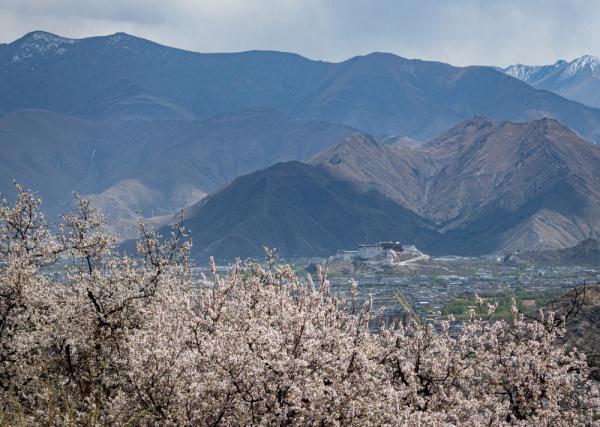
389	252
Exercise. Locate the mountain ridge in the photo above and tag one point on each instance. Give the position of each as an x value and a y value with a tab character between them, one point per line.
301	210
379	93
482	187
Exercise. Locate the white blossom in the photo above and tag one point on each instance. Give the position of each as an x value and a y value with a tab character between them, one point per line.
89	336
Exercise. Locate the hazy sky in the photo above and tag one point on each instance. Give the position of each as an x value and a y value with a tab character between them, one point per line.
460	32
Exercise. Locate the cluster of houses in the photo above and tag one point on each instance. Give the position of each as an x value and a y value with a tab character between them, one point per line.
388	253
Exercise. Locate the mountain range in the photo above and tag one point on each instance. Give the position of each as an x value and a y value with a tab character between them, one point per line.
266	147
578	80
481	187
122	77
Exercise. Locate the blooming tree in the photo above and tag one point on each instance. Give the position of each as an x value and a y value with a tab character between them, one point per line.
91	336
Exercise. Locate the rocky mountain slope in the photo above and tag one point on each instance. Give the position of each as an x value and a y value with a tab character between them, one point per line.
507	185
578	80
479	188
156	167
300	209
400	173
538	178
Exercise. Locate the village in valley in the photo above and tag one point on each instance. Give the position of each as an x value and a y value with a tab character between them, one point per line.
408	282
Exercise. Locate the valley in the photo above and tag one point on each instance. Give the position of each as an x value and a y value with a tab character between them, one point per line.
449	284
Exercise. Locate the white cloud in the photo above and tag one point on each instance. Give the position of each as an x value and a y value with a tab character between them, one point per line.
456	31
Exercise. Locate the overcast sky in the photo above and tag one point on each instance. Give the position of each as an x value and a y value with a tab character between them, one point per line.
460	32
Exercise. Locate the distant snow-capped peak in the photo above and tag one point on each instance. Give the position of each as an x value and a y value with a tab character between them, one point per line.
586	62
561	69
